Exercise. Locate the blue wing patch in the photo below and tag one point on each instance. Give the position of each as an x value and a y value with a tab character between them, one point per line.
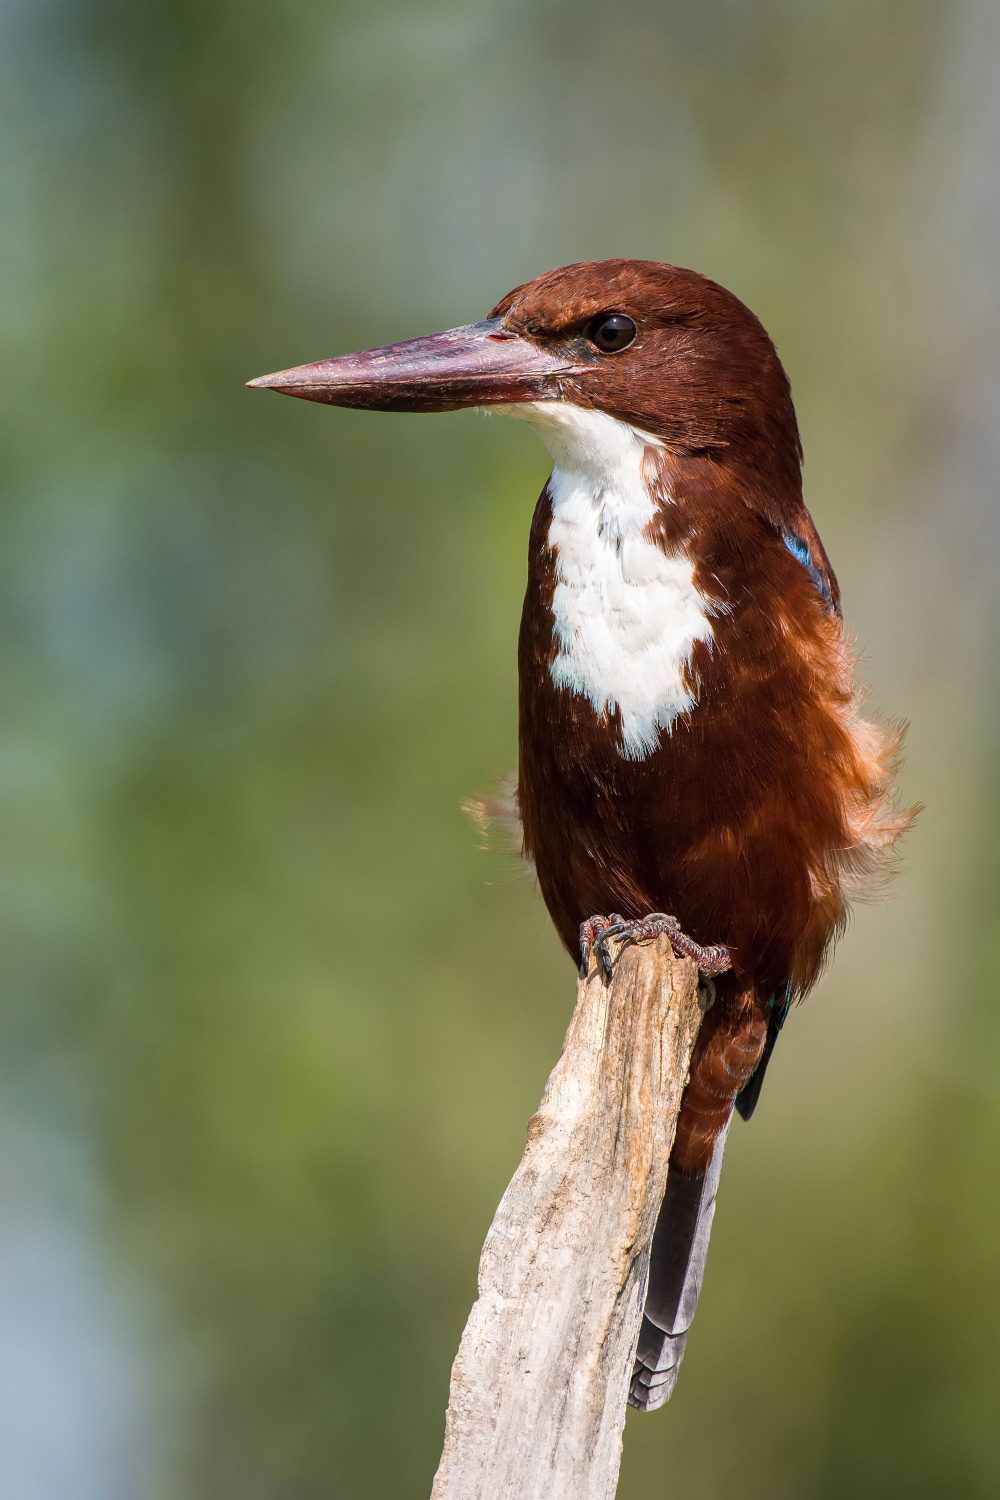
800	551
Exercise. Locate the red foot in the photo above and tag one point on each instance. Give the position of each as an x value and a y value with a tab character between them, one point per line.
598	931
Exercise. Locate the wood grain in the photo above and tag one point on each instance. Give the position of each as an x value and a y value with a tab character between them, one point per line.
539	1384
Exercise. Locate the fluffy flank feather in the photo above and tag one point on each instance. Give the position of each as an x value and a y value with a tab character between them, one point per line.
497	814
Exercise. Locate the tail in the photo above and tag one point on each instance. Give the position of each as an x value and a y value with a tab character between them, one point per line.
676	1267
731	1059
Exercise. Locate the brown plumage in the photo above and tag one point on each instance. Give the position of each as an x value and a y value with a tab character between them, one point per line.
766	805
690	739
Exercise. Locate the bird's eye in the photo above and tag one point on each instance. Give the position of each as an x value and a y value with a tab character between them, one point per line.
610	332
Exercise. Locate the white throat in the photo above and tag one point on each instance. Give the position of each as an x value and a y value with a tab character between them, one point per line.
627	614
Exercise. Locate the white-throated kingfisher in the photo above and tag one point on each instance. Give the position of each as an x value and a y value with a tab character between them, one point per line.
692	758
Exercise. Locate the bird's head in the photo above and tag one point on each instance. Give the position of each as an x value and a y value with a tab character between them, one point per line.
667	351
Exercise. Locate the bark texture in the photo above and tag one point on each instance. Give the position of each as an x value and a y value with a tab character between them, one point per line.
540	1381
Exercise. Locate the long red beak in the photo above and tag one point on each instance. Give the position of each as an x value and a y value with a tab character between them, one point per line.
478	365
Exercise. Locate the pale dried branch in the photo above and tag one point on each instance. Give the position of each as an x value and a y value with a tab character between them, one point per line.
539	1385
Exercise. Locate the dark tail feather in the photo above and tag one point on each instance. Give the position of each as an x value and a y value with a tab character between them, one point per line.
746	1099
676	1267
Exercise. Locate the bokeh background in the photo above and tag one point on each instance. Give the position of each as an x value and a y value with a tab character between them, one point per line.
271	1021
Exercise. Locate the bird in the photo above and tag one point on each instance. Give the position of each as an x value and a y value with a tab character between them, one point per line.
692	754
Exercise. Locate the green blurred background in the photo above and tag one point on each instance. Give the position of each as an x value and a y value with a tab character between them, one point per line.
271	1021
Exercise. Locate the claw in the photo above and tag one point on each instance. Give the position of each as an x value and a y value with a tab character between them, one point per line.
595	933
586	946
712	960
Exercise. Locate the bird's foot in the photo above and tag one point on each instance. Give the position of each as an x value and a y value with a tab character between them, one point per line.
599	932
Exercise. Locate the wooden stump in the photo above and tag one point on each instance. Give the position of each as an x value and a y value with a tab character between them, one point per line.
539	1384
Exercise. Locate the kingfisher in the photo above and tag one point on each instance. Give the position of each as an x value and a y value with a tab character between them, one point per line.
692	758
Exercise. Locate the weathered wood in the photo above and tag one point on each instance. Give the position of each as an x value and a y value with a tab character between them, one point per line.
539	1384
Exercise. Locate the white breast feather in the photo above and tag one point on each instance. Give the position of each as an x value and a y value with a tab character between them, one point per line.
627	614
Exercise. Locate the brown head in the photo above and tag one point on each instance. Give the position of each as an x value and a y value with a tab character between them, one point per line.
699	371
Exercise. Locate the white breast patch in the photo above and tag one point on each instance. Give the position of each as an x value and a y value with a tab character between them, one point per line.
627	614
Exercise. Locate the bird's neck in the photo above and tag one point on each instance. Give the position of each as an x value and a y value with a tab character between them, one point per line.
626	609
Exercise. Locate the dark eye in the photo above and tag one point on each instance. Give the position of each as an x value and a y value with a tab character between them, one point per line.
611	332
